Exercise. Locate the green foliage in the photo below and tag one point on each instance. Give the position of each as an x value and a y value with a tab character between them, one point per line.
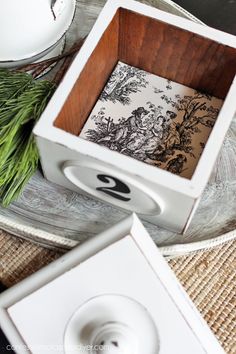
12	85
22	101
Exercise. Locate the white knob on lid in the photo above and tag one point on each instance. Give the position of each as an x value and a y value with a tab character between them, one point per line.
114	338
111	324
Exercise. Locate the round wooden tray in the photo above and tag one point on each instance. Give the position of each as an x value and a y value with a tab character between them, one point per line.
56	217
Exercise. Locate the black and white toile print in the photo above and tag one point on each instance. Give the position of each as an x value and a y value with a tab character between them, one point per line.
152	119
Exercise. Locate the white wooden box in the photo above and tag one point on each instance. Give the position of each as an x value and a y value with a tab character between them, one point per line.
115	290
187	53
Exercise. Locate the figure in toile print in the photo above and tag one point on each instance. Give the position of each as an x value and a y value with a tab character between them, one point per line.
142	135
161	135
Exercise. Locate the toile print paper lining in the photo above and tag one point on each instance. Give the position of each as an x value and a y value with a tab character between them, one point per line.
152	119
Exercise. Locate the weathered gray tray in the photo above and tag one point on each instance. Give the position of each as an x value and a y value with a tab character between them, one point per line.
56	217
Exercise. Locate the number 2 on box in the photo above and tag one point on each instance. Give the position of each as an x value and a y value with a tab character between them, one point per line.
119	187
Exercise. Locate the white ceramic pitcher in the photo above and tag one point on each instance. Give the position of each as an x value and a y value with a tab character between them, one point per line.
29	29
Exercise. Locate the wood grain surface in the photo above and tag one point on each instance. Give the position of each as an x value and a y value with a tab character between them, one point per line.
156	47
176	54
91	81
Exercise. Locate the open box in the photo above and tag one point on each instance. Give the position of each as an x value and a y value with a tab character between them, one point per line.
173	48
134	305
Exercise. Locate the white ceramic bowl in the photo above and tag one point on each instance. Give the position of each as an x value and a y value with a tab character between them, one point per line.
29	30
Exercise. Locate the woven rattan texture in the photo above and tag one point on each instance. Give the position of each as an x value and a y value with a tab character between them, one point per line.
209	278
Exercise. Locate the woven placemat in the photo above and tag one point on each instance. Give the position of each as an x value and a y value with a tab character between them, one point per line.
208	277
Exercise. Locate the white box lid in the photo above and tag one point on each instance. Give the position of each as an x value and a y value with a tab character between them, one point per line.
120	268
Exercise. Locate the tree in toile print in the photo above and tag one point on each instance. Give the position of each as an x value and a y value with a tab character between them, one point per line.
152	119
196	112
124	81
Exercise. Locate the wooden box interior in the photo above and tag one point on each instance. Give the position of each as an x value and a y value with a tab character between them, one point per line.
156	47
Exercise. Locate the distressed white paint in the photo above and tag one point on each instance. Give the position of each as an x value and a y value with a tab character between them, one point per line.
178	195
28	28
56	217
63	289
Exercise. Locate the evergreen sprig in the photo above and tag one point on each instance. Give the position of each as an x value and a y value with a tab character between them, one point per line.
12	85
22	101
18	152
